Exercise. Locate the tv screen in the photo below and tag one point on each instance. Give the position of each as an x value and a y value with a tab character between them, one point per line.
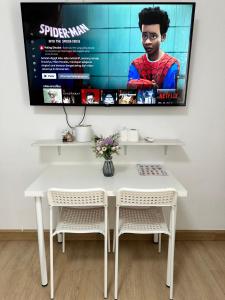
108	54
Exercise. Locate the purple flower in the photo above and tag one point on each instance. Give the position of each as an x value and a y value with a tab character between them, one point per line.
108	141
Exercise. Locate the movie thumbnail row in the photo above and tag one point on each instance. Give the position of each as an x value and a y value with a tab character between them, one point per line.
98	97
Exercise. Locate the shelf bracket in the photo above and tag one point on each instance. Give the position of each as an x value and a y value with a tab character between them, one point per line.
59	150
125	150
165	149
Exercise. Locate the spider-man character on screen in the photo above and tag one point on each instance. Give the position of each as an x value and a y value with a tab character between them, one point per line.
154	69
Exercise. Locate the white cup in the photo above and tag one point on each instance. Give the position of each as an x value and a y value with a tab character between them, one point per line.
123	135
132	135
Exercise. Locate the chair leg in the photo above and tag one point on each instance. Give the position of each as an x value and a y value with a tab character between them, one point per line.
168	283
105	265
108	239
155	238
63	242
114	232
106	245
172	248
159	244
172	265
51	267
114	239
116	266
168	262
59	238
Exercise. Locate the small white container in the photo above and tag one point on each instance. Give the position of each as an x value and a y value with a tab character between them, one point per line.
83	133
132	135
123	135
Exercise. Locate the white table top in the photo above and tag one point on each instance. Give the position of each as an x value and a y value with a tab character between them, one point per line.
90	176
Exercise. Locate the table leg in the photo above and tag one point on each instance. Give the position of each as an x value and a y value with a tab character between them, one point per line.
41	241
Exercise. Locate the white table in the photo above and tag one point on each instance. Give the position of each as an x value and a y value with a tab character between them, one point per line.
84	176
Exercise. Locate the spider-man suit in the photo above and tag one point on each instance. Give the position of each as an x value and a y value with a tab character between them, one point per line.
162	73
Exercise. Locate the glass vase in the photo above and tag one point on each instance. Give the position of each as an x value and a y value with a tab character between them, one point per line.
108	168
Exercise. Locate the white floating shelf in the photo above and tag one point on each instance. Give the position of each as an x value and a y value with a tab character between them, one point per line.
157	142
58	143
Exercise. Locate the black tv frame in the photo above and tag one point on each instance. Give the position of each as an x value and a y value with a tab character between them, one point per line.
115	3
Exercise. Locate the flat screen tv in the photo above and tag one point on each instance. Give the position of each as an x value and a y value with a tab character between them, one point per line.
108	54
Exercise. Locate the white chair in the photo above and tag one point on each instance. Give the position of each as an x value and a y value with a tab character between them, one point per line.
81	211
140	212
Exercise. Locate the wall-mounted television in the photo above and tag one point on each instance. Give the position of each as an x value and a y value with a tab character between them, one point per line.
108	54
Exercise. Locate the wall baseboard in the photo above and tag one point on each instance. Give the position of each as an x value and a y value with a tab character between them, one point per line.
181	235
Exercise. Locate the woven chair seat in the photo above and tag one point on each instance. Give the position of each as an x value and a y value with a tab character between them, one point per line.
142	220
80	220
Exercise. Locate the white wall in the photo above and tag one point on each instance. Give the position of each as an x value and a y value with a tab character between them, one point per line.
200	165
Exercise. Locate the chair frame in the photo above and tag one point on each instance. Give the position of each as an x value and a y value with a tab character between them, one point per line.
83	206
171	231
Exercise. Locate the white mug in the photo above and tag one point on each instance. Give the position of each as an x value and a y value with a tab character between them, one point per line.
123	135
132	135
